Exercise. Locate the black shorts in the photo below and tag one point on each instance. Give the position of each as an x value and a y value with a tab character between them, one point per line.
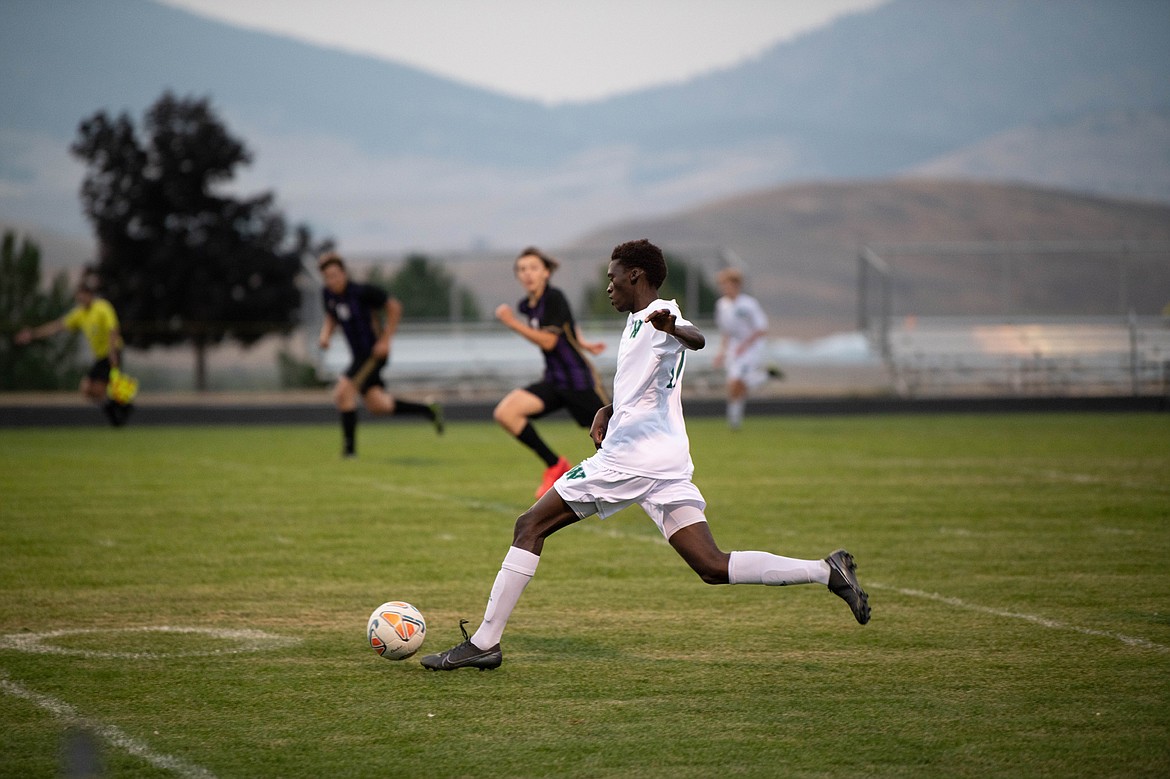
582	405
99	371
370	370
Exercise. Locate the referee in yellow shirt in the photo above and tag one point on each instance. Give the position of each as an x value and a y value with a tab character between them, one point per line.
95	317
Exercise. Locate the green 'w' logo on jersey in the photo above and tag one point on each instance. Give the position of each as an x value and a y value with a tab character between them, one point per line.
577	473
636	328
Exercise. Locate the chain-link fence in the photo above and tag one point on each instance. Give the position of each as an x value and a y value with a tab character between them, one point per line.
1019	318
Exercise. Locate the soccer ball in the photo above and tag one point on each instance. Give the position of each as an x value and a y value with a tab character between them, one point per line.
396	630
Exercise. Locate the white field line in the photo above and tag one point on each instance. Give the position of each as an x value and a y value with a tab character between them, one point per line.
241	641
114	735
1044	622
244	640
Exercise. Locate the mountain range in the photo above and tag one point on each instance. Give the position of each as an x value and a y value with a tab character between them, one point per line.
799	245
1066	98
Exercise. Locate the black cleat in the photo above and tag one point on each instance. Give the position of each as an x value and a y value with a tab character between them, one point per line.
437	418
465	655
117	413
843	584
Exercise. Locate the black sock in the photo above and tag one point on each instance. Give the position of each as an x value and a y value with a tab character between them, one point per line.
349	429
117	413
111	410
415	409
529	438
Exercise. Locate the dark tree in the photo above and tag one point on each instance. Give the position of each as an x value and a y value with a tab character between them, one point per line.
181	262
45	364
427	291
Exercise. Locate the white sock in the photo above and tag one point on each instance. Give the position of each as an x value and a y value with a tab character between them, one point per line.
735	412
516	571
765	568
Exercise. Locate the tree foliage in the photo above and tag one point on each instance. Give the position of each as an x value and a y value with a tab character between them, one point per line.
425	288
181	262
43	364
678	273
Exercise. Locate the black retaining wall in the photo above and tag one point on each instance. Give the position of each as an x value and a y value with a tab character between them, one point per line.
26	414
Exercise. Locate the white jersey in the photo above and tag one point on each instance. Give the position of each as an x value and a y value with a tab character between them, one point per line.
739	318
647	435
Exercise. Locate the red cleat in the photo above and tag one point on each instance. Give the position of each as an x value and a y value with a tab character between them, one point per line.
551	474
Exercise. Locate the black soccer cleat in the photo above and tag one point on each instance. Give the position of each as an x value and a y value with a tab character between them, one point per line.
437	418
843	584
465	655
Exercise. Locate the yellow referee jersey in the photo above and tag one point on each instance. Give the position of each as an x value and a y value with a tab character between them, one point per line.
96	321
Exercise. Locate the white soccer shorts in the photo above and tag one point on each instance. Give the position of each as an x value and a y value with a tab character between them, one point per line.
746	368
591	490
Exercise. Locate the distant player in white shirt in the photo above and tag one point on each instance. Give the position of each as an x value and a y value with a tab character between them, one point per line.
643	457
743	327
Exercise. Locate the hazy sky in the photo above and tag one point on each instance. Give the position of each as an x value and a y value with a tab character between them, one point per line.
548	50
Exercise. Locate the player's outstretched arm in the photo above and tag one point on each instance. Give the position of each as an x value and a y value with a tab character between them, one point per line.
393	313
29	334
545	339
688	335
393	316
326	332
593	347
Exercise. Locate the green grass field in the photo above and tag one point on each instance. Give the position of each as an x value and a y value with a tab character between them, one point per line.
1016	565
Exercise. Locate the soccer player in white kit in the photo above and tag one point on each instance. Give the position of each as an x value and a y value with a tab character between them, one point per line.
643	457
743	327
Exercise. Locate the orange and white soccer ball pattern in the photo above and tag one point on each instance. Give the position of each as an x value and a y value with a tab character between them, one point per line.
396	630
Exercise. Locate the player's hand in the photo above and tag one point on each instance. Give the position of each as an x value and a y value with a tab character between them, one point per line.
323	344
504	314
381	349
662	320
23	336
600	425
594	347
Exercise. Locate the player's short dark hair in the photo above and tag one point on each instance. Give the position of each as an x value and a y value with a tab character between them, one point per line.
330	258
549	262
645	255
90	282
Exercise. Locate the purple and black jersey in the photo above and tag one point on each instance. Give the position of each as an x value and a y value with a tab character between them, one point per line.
354	310
564	365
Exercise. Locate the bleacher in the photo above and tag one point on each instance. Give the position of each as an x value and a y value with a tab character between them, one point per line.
1049	356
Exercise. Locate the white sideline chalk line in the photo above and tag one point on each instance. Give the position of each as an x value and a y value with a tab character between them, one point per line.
247	641
110	733
1034	619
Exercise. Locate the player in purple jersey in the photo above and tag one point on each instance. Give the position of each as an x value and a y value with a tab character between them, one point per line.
569	380
359	309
